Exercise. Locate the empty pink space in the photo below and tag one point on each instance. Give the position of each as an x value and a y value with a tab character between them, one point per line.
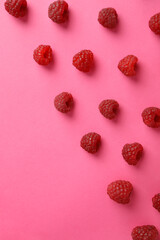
50	188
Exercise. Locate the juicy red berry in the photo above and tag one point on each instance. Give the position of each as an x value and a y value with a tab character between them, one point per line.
58	11
127	65
108	108
132	153
156	202
16	8
83	60
63	102
120	191
151	117
154	23
145	232
43	55
91	142
108	17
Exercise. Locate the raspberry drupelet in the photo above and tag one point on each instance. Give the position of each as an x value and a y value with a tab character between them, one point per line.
108	108
63	102
83	60
120	191
58	11
127	65
108	17
151	117
91	142
43	54
132	153
145	232
17	8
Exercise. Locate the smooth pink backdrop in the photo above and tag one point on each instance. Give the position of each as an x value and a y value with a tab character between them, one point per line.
50	188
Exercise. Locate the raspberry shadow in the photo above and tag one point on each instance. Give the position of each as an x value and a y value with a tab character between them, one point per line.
26	18
137	76
51	65
93	69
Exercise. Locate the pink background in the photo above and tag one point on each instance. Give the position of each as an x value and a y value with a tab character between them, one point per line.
50	188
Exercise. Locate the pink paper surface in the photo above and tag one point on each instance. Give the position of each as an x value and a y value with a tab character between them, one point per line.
50	188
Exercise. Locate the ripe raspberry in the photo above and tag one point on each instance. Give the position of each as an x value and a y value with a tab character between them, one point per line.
154	23
145	232
108	108
83	60
58	11
63	102
151	117
132	153
43	55
120	191
91	142
16	8
127	65
156	202
108	17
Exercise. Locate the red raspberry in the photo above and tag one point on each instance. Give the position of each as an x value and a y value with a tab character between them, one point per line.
145	232
120	191
16	8
156	202
151	117
58	11
63	102
91	142
43	55
83	60
127	65
108	17
154	23
109	108
132	153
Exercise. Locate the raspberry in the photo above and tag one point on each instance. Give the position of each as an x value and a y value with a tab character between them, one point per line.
83	60
58	11
151	117
43	55
120	191
145	232
132	153
91	142
63	102
154	23
108	108
108	17
127	65
16	8
156	202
